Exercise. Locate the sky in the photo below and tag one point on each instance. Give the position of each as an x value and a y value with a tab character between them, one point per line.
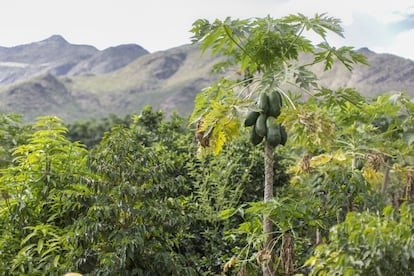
384	26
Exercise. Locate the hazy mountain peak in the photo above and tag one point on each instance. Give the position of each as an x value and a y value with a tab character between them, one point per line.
365	50
126	47
109	60
55	39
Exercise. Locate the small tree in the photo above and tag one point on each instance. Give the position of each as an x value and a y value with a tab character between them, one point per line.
265	53
368	244
42	191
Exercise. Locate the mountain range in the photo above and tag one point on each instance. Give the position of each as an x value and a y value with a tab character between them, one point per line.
75	82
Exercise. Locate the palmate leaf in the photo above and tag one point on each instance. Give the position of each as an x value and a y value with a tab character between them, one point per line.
320	23
221	36
221	90
224	125
341	97
325	55
216	115
346	55
305	78
218	140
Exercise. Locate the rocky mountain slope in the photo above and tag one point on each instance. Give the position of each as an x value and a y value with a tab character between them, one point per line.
54	77
385	73
58	57
108	60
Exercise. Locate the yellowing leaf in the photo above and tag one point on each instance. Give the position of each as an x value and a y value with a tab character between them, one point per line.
219	142
232	128
339	156
373	177
320	160
231	263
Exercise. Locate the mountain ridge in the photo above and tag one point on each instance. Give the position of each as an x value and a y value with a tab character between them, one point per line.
53	55
124	78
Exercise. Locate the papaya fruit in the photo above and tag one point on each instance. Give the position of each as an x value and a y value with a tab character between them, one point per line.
264	102
359	164
251	118
275	103
273	135
280	99
254	138
261	125
283	135
270	121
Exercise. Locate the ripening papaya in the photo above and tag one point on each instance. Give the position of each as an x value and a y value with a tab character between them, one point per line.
283	135
264	102
254	138
251	118
261	125
275	103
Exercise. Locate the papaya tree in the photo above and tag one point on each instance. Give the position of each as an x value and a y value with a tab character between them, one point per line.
261	64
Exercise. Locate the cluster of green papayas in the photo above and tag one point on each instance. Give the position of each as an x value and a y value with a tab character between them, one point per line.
264	123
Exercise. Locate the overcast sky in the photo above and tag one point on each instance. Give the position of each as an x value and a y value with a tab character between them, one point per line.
381	25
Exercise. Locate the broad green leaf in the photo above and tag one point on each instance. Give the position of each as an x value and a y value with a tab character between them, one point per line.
226	214
40	246
408	136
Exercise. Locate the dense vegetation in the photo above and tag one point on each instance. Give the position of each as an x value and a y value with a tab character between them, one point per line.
137	196
141	202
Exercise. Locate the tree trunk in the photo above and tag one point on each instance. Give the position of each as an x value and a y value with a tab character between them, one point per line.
386	175
318	237
409	187
287	254
267	267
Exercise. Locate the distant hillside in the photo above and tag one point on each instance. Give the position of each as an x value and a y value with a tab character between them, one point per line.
385	73
108	60
58	57
167	79
53	55
41	96
78	81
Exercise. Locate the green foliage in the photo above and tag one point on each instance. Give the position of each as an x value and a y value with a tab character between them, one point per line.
340	148
266	51
38	204
260	43
13	133
222	184
141	202
90	133
368	244
138	216
288	215
344	54
216	112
